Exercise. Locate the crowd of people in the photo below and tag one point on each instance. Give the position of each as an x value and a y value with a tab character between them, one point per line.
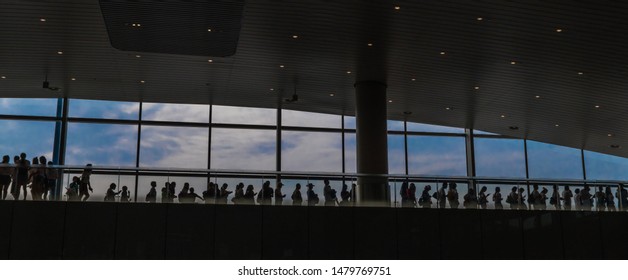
580	199
22	174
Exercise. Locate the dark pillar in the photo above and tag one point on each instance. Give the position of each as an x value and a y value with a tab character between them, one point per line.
372	143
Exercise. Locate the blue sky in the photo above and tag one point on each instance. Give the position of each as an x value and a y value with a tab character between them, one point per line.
254	149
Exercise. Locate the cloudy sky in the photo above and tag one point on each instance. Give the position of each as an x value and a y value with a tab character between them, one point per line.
255	149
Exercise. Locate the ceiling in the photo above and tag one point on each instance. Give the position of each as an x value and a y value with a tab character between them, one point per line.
542	66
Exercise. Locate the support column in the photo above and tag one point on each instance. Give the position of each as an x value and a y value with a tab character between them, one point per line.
372	143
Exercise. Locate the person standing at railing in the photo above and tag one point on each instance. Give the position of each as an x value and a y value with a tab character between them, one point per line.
312	197
600	199
22	166
345	195
73	189
224	194
555	198
542	200
172	190
85	183
265	196
622	197
329	194
238	195
151	197
5	176
43	171
297	198
403	193
249	195
278	194
610	200
470	200
125	196
36	179
452	196
577	199
483	198
497	199
426	199
521	199
513	198
412	195
567	195
53	175
193	196
164	192
586	198
441	196
111	193
534	197
183	194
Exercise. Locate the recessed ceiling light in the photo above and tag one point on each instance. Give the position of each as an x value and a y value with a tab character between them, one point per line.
476	88
537	97
209	30
332	94
513	62
42	19
272	89
138	56
370	44
73	79
295	36
348	72
614	146
597	106
580	73
3	77
479	19
609	135
142	82
281	66
59	52
413	79
210	60
556	125
559	30
389	100
442	53
136	25
397	8
447	108
503	116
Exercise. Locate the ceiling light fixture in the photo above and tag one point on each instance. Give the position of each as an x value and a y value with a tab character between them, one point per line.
3	77
503	116
138	56
332	94
580	73
370	44
59	52
389	100
513	62
295	36
597	106
537	97
42	19
556	125
348	72
609	135
209	30
281	66
448	108
397	8
559	30
272	89
413	79
476	88
73	79
210	60
142	82
479	19
442	53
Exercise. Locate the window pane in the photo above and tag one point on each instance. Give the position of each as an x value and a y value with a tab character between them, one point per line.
435	155
243	115
243	149
307	119
396	155
395	125
175	147
311	151
349	122
175	112
29	106
500	158
101	144
421	127
350	155
98	109
605	167
35	138
553	162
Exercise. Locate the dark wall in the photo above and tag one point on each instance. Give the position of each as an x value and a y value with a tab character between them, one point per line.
99	230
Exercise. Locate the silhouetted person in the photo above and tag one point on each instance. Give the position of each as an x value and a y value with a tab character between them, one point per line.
312	197
183	194
555	198
470	200
329	194
37	179
172	188
403	193
426	199
577	200
85	183
73	190
497	198
297	199
125	195
452	196
164	192
521	199
600	199
5	176
22	175
224	194
151	197
53	175
483	198
412	195
209	195
15	189
513	199
441	196
278	194
238	195
345	196
111	193
586	198
264	197
43	171
622	197
567	195
610	200
193	196
533	199
542	200
249	195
